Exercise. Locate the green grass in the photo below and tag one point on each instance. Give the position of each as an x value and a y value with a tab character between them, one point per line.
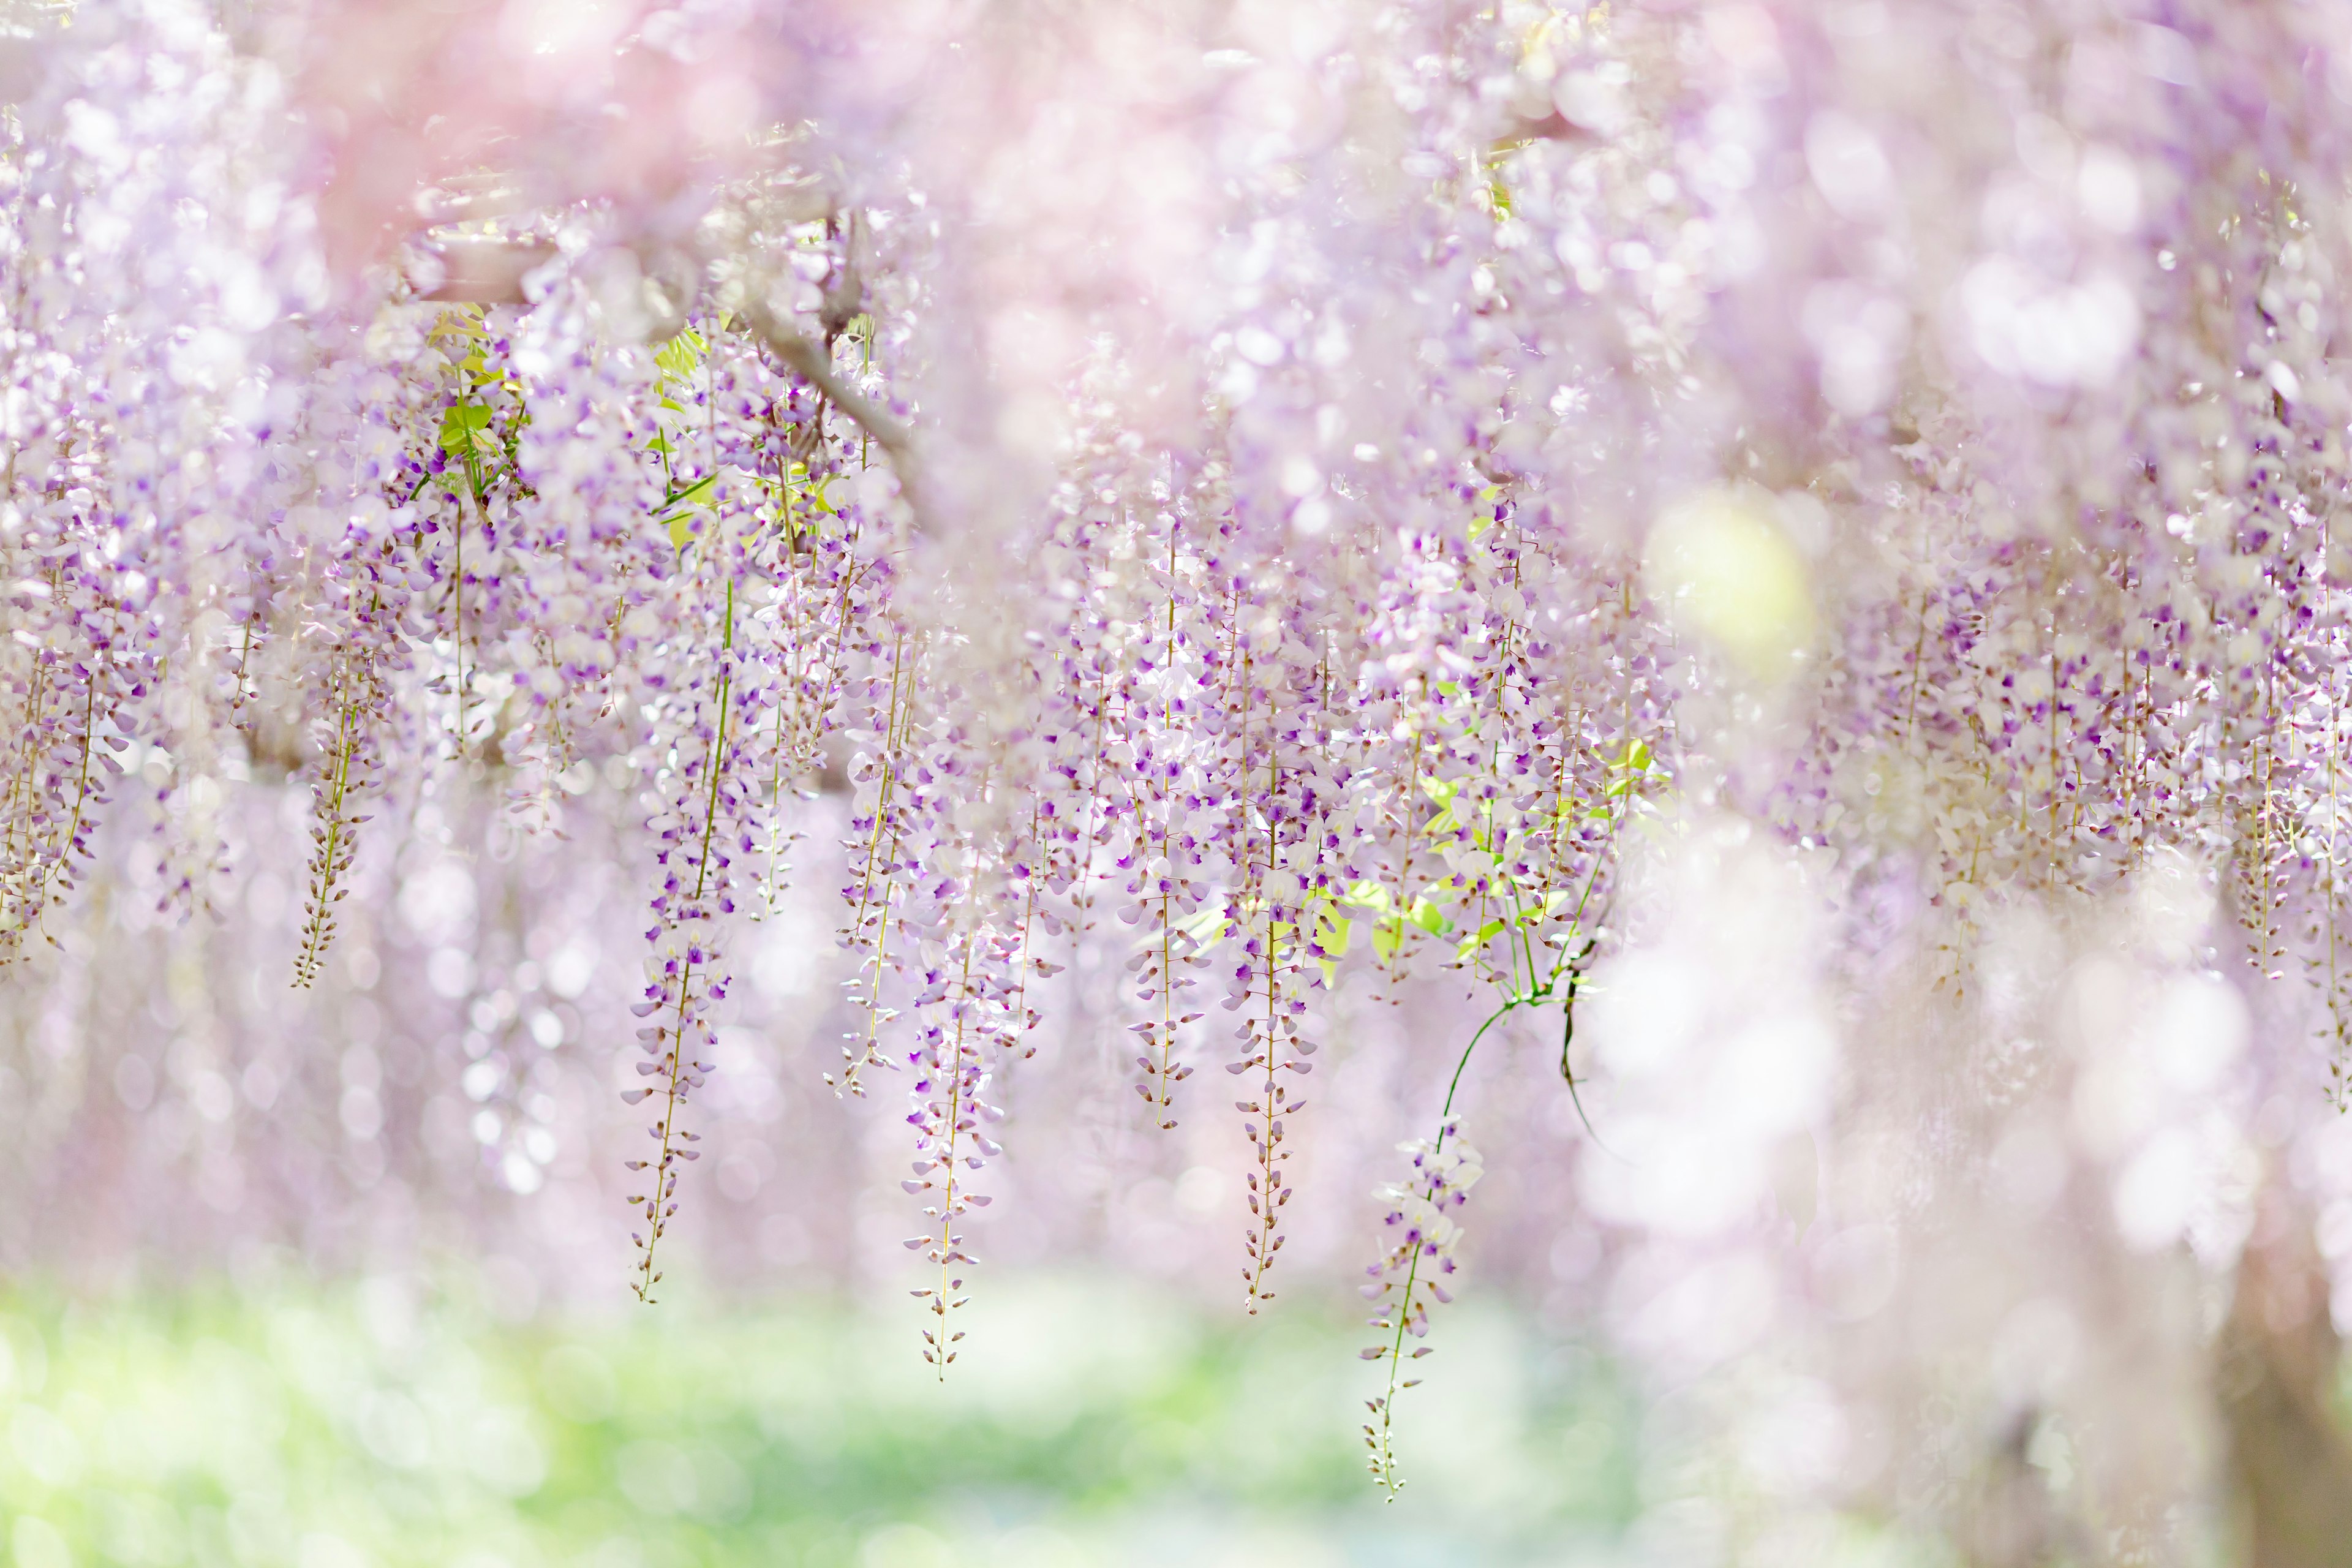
1084	1424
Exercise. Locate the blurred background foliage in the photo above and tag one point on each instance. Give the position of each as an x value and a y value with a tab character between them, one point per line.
394	1421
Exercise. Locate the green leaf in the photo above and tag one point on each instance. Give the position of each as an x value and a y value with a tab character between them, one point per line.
1477	940
678	508
1335	936
695	494
1207	927
681	356
462	425
1428	917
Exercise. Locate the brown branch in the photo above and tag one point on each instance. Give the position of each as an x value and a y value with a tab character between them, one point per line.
486	271
490	271
815	364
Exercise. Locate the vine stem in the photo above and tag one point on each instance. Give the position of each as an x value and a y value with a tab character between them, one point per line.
1412	1269
1534	997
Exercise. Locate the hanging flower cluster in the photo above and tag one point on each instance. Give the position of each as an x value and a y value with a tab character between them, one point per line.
1410	1275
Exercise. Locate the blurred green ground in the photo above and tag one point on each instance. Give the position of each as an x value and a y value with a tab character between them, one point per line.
385	1423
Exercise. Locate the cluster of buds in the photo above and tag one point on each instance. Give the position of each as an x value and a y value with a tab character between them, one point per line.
682	981
966	1021
1422	1235
355	706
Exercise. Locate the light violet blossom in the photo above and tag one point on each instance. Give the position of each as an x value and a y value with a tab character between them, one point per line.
1286	507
